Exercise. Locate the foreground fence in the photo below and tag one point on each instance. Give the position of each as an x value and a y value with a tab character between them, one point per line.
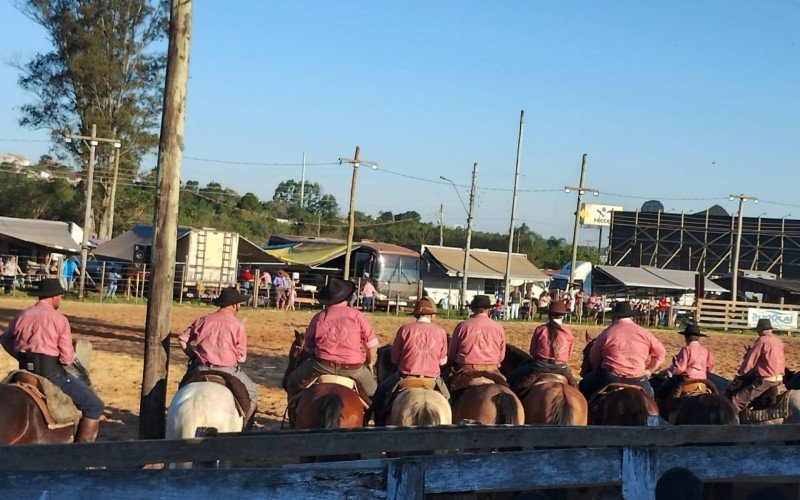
630	457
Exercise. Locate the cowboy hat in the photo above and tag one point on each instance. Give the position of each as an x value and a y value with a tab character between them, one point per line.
557	307
481	302
692	329
228	297
623	310
49	287
337	290
424	307
763	325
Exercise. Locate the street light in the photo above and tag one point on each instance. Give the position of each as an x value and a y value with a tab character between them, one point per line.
355	161
93	141
735	278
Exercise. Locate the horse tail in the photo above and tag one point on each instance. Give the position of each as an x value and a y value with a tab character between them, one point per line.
427	415
638	410
507	411
332	407
562	409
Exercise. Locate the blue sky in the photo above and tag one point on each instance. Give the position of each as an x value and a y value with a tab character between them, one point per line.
682	101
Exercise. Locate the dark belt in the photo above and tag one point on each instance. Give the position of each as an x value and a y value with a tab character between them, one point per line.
40	364
478	367
339	366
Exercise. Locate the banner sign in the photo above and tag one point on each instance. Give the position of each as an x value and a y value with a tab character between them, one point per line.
781	320
598	215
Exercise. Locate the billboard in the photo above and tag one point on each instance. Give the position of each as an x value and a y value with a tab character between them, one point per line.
598	215
781	320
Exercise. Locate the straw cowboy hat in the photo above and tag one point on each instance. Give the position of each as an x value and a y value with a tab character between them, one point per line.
49	287
557	307
424	307
228	297
692	329
337	290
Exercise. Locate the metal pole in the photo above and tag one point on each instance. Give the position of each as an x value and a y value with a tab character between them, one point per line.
735	276
441	225
351	224
87	216
303	181
600	244
577	220
465	278
507	292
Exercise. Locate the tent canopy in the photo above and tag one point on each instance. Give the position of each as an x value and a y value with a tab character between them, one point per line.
484	264
647	280
307	255
50	234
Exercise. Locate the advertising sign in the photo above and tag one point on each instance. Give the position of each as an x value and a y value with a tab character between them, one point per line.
781	320
598	215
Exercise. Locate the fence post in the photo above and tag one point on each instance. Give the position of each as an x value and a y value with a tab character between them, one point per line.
397	304
138	274
638	474
256	283
405	480
128	289
182	283
102	281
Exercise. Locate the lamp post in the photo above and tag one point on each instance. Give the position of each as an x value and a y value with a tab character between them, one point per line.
581	189
355	161
735	278
465	276
93	141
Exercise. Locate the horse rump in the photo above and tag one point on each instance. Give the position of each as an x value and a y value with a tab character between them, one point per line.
331	407
562	413
507	409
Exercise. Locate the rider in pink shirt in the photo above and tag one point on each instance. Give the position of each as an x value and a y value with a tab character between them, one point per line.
762	367
693	362
478	343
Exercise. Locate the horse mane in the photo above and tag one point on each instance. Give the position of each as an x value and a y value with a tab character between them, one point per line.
561	413
332	407
516	351
506	405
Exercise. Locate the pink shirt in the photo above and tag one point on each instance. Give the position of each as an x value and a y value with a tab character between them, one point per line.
368	290
540	345
694	361
625	348
765	358
220	339
338	334
419	349
478	341
40	329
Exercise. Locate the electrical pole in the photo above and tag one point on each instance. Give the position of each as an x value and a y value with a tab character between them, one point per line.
355	162
581	190
465	278
441	225
303	181
113	192
735	277
152	422
507	292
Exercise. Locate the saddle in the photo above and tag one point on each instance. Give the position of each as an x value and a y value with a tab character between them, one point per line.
236	386
462	380
523	386
57	408
774	403
693	387
597	398
350	383
403	385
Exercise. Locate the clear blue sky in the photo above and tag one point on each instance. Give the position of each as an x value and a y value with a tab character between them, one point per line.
676	99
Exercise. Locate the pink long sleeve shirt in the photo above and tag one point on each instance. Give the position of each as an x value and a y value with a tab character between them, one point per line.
766	357
420	349
339	334
40	329
626	349
220	339
693	360
478	341
540	345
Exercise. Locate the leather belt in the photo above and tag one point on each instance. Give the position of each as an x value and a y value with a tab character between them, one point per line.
478	368
774	378
339	366
619	375
41	364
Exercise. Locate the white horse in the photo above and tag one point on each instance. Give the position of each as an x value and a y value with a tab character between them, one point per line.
202	404
420	407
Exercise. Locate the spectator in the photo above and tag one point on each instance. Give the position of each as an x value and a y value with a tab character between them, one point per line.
544	303
68	272
112	281
52	270
11	274
497	311
280	290
246	278
663	305
514	302
444	304
591	306
264	285
291	294
368	292
569	304
580	296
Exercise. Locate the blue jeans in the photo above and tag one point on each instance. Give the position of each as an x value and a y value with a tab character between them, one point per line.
112	290
366	304
82	395
599	378
662	317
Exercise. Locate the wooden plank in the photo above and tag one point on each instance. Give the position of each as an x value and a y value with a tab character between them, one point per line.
733	463
638	473
289	444
405	480
198	483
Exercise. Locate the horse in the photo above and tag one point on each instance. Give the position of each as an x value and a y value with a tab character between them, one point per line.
419	407
706	409
489	404
202	405
624	405
548	398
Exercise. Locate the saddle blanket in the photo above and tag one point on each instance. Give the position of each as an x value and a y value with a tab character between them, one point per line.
60	408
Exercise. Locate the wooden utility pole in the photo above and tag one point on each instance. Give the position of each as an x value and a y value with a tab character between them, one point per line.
87	216
465	278
152	420
113	192
351	227
441	225
581	190
507	290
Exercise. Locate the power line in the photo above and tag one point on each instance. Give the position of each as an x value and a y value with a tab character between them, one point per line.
256	164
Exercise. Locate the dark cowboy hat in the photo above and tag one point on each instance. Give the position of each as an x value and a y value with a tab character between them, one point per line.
623	310
229	296
424	307
49	287
481	302
692	329
337	290
557	307
763	325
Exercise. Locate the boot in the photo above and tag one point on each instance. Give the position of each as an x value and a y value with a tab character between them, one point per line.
87	430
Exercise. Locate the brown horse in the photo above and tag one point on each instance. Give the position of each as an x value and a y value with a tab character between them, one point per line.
323	405
22	422
489	404
551	400
624	405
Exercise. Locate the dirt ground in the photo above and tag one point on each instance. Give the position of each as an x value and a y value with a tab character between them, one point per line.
116	332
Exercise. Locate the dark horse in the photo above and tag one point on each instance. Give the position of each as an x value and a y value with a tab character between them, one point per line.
696	409
323	405
22	422
624	406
